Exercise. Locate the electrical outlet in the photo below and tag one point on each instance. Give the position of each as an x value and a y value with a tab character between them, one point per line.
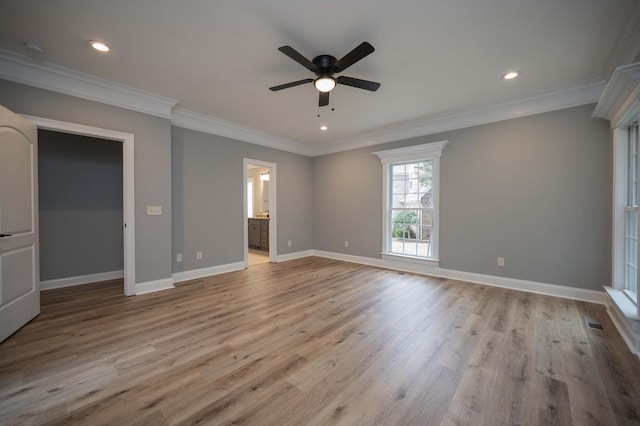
501	261
346	243
289	243
198	255
179	257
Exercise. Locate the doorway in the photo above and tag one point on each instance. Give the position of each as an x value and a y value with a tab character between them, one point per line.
128	207
80	209
259	212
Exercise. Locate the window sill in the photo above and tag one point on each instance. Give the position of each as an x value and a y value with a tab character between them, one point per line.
622	301
435	263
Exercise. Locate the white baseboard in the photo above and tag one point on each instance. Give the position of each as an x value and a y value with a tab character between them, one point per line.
294	256
152	286
490	280
625	327
349	258
81	279
207	272
528	286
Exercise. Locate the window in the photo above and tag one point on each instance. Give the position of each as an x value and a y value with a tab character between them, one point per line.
631	215
624	289
250	197
411	209
620	105
410	190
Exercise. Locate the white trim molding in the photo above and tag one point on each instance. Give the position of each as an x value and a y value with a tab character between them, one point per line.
620	98
215	126
294	255
273	208
19	69
81	279
195	274
153	286
566	97
411	154
620	104
128	185
629	329
490	280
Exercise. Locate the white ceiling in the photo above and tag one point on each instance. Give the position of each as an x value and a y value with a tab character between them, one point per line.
433	57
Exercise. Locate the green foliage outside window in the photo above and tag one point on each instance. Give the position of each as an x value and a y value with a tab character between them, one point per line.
403	225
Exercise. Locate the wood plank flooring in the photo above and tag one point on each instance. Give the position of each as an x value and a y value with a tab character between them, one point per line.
316	342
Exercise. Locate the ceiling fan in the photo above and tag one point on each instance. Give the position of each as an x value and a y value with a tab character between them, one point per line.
325	66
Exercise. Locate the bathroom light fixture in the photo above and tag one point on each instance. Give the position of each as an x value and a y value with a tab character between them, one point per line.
325	84
98	45
510	75
264	176
323	128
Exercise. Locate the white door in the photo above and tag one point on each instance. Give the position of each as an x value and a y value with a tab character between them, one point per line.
19	276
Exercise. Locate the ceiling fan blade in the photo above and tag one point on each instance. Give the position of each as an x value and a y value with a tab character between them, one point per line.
323	99
360	84
354	56
292	84
296	56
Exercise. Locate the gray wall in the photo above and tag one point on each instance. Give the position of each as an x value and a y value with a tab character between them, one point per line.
534	190
152	163
80	204
207	176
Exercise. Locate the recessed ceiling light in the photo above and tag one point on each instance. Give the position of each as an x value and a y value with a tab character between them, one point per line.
98	45
510	75
33	47
323	128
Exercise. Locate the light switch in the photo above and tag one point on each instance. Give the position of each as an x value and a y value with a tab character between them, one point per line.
154	210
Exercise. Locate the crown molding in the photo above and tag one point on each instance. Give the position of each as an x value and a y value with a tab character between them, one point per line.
572	96
18	69
207	124
621	95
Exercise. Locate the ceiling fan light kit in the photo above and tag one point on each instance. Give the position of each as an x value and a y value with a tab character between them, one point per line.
325	84
325	66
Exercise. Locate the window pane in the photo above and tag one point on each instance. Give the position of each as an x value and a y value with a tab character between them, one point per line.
411	232
631	252
250	198
632	167
412	208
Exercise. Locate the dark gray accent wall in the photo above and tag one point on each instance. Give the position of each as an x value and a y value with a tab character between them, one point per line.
80	205
152	163
534	190
207	179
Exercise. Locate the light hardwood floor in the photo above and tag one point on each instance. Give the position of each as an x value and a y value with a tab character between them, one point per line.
315	342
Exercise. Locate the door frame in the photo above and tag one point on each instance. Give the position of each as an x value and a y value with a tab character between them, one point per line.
273	209
128	189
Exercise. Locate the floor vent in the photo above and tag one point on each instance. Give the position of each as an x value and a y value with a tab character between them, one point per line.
595	325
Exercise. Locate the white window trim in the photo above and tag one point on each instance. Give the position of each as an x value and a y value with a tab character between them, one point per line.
620	104
429	151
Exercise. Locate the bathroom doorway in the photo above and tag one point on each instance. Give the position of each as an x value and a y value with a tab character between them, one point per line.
259	212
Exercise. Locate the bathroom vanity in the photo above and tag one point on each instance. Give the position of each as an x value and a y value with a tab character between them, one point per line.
259	233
